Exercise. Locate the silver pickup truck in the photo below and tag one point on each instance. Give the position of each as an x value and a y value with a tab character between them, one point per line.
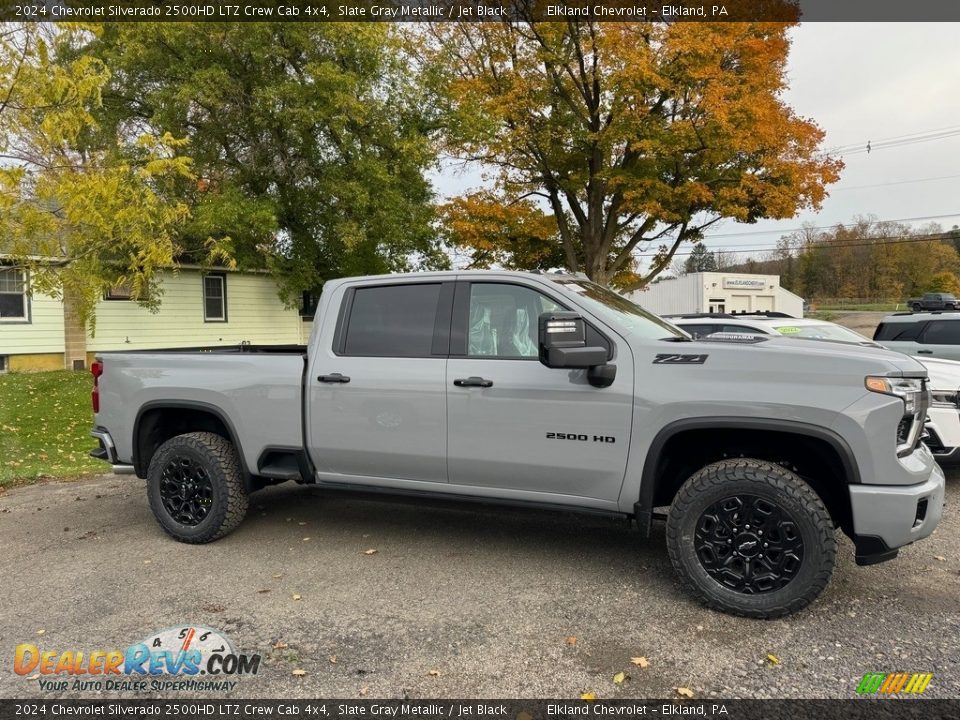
545	391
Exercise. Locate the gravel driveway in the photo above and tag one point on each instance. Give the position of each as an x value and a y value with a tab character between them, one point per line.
455	602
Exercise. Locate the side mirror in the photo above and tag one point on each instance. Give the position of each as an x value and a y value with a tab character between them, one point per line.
563	344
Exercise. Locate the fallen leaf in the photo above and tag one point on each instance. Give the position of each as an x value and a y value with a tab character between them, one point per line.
774	660
34	677
619	678
40	632
588	696
277	577
371	551
364	690
147	562
306	539
296	596
640	661
298	672
434	673
684	692
572	640
941	558
264	590
333	659
301	523
280	645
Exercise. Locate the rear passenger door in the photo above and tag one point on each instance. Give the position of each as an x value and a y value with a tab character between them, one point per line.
376	387
902	336
940	338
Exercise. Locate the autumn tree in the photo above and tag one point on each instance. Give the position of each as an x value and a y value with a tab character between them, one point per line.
633	136
79	219
308	141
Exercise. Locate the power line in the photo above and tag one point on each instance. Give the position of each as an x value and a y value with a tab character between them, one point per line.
786	231
895	141
829	245
896	182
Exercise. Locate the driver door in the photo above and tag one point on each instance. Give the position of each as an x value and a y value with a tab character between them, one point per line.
516	426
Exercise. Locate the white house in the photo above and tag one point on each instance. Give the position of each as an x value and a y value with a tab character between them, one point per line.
718	292
198	308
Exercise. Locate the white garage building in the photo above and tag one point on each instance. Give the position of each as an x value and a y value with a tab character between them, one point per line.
718	292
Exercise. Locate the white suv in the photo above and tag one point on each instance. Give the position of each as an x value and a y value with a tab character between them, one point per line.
943	418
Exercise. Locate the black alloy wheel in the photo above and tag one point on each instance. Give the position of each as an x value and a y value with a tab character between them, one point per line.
749	544
186	491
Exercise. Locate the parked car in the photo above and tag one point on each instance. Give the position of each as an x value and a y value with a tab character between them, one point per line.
545	391
943	418
925	334
934	301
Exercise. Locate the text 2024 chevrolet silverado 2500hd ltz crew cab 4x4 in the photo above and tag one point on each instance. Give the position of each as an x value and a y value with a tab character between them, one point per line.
550	391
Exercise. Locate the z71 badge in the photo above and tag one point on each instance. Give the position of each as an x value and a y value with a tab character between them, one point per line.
675	359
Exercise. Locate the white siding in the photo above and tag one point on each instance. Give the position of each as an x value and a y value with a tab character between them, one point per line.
254	314
669	297
43	334
789	303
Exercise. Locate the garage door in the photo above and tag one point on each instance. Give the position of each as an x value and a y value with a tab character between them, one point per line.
739	303
762	303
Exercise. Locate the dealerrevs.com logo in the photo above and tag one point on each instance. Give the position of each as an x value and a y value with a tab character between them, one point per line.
187	657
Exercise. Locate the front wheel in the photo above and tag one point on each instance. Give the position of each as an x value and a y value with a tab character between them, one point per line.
916	307
751	538
195	487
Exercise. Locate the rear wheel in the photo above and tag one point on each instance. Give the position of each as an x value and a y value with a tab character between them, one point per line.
916	307
751	538
195	487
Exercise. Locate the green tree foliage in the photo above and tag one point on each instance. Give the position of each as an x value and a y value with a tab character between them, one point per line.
635	136
80	219
700	260
307	140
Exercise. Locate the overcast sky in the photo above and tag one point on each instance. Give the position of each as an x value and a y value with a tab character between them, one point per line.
863	82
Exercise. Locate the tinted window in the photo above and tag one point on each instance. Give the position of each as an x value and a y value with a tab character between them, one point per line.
392	321
903	331
699	331
942	332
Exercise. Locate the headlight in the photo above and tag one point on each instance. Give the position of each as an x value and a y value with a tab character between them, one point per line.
910	390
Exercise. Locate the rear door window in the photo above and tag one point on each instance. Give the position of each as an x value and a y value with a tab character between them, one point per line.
392	321
942	332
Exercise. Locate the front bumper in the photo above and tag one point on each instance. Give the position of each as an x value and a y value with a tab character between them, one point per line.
887	517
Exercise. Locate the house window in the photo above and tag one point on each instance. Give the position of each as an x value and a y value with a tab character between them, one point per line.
214	298
119	292
14	306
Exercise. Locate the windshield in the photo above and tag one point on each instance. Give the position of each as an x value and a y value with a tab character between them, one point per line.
825	331
620	311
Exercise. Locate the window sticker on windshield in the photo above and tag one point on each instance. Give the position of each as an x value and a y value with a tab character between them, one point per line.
788	330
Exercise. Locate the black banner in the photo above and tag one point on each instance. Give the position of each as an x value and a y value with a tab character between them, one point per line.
478	10
854	709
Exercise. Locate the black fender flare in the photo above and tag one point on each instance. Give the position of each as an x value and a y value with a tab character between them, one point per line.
643	509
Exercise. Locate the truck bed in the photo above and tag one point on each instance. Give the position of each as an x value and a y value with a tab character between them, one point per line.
255	390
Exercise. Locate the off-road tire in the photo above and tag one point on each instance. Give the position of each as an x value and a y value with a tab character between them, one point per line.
774	484
219	458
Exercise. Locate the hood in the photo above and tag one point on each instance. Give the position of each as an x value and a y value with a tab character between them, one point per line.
944	374
865	358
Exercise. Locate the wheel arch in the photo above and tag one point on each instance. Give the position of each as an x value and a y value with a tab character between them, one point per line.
160	420
822	453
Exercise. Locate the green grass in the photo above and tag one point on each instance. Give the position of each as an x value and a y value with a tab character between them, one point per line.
45	421
864	307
